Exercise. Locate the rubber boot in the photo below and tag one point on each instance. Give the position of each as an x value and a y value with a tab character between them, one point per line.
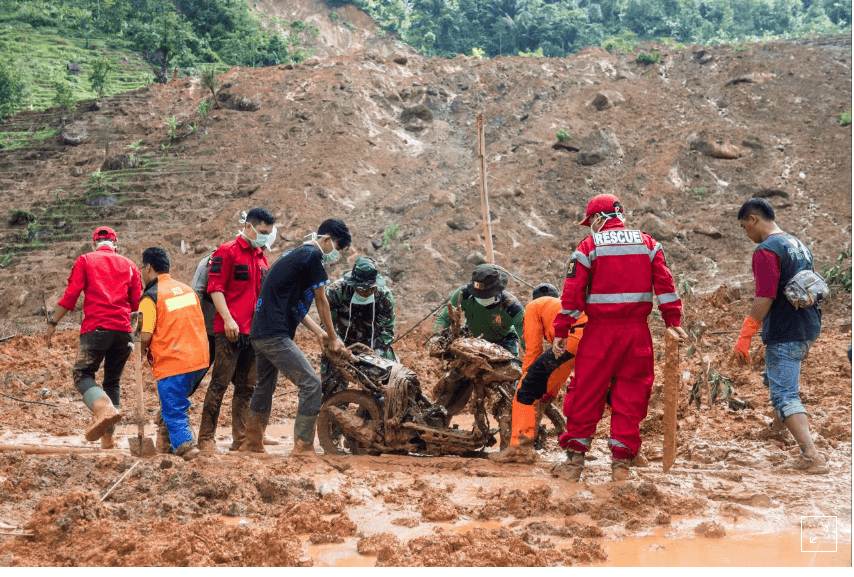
522	453
106	416
162	443
621	469
304	436
108	440
239	412
254	431
207	430
187	451
570	470
268	440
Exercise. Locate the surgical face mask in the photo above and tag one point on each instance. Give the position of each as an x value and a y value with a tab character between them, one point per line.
328	257
260	239
360	300
487	301
605	217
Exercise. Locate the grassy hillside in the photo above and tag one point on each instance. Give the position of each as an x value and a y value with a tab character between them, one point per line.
40	56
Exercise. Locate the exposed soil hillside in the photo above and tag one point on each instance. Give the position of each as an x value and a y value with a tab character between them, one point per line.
384	138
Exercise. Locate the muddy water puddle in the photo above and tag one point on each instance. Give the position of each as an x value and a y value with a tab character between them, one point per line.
657	550
736	550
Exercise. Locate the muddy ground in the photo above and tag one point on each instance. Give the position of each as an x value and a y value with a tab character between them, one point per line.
732	490
371	132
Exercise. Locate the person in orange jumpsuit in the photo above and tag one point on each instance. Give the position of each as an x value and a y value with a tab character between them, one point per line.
542	373
611	277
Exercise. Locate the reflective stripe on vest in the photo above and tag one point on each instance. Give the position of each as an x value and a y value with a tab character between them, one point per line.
573	314
668	298
581	258
654	251
619	298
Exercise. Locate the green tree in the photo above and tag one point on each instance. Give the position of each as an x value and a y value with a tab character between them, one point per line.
99	76
11	89
64	96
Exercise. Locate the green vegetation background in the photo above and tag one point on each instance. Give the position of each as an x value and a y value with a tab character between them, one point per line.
135	42
141	39
556	28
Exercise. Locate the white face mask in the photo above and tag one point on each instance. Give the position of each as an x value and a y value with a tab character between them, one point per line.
360	300
328	257
487	301
605	217
260	239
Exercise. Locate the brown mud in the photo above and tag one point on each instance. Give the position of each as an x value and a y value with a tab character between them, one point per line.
732	497
382	137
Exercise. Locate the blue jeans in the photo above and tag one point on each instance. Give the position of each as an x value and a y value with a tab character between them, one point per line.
782	371
275	354
174	403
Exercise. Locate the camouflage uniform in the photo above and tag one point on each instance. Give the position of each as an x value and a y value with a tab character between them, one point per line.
371	324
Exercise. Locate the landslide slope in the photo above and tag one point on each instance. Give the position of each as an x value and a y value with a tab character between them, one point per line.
385	138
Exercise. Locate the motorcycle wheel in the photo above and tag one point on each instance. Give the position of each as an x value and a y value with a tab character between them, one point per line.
332	437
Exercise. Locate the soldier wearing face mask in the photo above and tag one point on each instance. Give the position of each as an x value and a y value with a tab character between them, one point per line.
362	309
491	313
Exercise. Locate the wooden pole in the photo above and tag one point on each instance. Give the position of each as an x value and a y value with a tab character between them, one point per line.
484	197
671	397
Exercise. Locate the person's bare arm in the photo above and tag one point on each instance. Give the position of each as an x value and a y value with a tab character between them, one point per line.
232	331
58	315
333	342
315	328
761	307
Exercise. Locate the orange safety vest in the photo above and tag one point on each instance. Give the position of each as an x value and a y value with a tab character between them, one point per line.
179	343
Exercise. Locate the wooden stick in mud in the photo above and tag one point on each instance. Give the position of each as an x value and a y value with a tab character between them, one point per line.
671	397
484	198
116	484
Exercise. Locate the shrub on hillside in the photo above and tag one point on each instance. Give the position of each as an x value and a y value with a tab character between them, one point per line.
11	90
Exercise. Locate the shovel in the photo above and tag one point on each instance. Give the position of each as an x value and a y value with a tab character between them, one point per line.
140	446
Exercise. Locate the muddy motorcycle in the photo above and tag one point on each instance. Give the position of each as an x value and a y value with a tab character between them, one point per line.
386	412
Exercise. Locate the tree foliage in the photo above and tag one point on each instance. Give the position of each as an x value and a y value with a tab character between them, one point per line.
11	88
560	27
170	32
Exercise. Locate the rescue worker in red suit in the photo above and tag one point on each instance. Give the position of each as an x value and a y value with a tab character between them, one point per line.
611	277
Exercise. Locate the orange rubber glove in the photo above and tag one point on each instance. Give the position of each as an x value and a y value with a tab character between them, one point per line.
742	346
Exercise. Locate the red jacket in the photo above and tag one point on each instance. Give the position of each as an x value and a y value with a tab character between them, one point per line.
112	287
612	276
237	270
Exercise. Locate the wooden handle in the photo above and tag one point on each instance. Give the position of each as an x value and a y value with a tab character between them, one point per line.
671	398
137	366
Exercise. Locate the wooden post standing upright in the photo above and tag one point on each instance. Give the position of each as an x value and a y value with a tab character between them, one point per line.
484	197
671	397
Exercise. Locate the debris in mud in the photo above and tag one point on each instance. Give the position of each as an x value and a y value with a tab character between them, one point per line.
323	538
383	546
710	529
306	517
408	522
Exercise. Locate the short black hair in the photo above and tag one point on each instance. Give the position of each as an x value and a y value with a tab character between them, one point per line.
157	257
544	290
758	206
258	215
337	230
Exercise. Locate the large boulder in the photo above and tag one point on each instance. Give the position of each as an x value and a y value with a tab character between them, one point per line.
659	229
598	146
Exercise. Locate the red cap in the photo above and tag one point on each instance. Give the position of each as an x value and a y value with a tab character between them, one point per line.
601	203
104	233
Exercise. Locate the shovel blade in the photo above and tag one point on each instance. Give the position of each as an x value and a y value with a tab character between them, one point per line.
141	447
